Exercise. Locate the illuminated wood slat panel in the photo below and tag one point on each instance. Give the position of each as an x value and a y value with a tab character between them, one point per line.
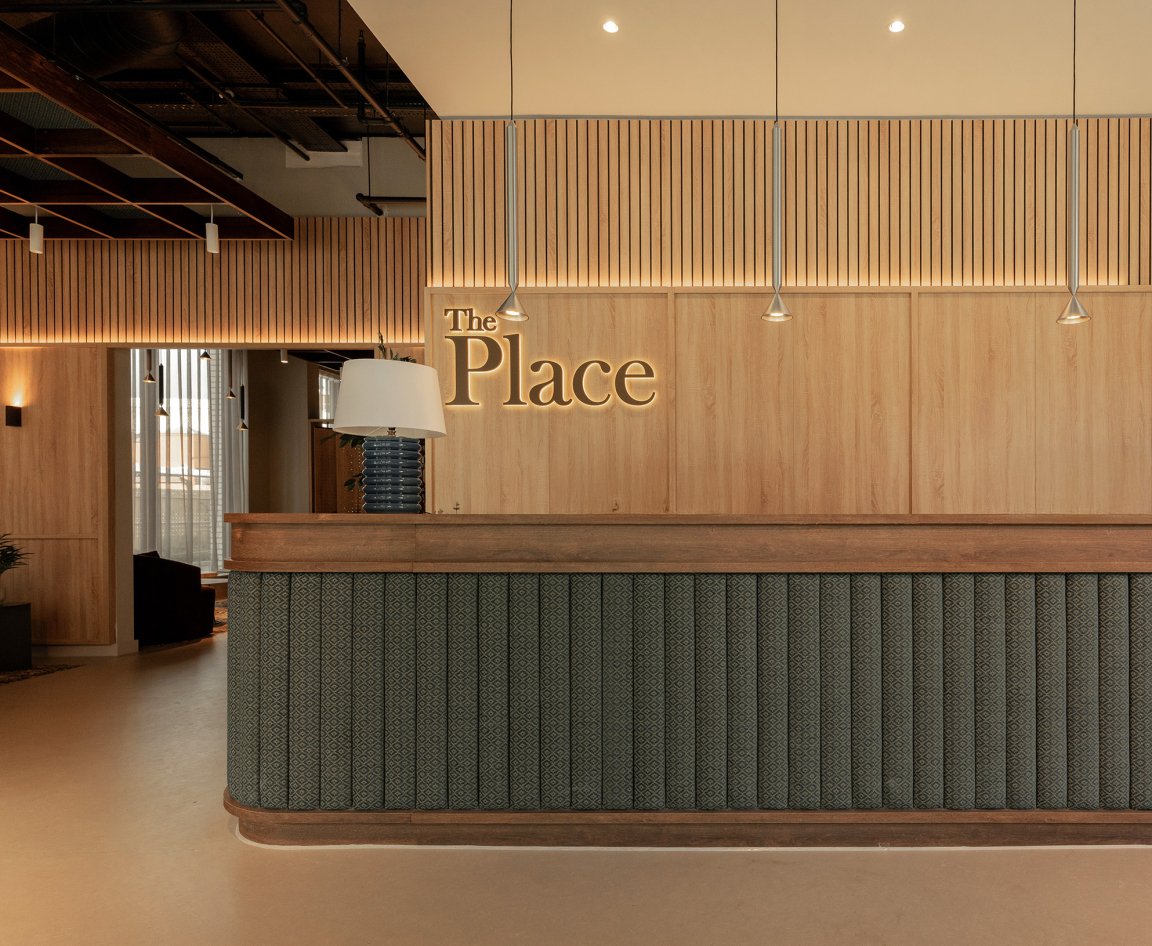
343	279
915	202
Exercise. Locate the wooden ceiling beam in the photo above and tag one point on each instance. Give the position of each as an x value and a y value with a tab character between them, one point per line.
98	224
26	64
122	187
14	226
78	143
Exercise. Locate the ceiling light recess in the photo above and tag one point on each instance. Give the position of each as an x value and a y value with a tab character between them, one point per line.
611	27
895	27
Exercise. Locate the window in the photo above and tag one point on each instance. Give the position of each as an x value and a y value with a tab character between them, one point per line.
329	389
190	467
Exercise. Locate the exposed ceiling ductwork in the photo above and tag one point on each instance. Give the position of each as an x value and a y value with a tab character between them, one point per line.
101	44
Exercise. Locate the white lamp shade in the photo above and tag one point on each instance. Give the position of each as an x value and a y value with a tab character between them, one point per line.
377	394
36	238
212	237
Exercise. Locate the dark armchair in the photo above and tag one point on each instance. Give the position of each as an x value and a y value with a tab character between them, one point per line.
171	604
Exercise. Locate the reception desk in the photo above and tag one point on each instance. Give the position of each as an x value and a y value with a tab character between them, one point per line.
703	680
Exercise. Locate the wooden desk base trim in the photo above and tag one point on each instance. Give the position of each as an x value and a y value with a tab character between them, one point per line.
694	828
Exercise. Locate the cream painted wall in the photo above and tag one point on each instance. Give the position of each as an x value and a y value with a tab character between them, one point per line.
278	447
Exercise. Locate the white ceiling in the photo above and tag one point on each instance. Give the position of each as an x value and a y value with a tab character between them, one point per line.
837	58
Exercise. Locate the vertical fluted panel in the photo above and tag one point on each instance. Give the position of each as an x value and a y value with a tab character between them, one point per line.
1140	683
587	720
368	692
804	691
400	691
524	690
772	690
648	694
275	609
618	710
990	696
688	691
835	691
1051	693
867	692
680	691
463	698
1083	691
711	693
244	690
1020	690
492	695
897	685
928	691
555	710
303	691
431	690
1115	725
741	711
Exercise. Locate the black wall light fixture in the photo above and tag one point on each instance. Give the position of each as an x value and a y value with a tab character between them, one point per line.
13	416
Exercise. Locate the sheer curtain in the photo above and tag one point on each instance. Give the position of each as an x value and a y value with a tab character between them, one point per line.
190	467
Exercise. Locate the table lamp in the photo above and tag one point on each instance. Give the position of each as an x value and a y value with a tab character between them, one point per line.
393	405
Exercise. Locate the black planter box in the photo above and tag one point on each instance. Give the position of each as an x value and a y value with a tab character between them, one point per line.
15	637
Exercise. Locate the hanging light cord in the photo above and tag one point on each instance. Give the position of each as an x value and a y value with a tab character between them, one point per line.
776	84
511	70
1073	62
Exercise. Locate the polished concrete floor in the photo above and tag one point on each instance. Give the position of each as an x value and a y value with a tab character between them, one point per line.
112	832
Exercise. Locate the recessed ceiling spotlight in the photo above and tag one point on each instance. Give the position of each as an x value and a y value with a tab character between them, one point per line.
610	27
895	26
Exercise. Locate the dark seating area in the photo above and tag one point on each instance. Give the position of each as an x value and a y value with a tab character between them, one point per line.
171	604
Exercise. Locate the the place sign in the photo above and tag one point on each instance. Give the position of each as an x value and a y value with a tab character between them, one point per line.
594	383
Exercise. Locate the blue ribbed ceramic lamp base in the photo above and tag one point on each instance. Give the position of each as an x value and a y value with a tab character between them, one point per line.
393	474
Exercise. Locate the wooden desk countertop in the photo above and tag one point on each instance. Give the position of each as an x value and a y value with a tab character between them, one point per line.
272	542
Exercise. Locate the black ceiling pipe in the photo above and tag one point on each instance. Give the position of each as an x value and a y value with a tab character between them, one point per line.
103	43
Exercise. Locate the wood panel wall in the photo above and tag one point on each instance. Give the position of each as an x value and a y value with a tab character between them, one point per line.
932	202
56	497
933	401
342	280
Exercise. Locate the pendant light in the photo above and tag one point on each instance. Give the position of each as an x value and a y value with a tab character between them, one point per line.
212	231
231	395
1074	313
243	424
36	235
160	412
204	356
510	309
148	379
777	311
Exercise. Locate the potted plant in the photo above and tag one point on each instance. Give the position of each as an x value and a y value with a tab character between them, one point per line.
11	556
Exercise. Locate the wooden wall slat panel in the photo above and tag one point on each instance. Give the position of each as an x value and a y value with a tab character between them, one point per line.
340	280
932	202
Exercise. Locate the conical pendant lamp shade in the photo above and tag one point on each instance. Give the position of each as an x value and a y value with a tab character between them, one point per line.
777	311
511	310
1074	313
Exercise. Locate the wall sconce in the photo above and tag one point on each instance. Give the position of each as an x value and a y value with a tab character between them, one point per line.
13	416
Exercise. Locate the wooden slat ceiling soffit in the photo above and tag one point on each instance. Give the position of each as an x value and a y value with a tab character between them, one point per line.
867	203
341	281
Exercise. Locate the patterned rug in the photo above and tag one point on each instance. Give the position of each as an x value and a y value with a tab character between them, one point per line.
220	625
14	676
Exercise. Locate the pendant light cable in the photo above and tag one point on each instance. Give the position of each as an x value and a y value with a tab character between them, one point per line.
1074	312
511	70
777	311
511	309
